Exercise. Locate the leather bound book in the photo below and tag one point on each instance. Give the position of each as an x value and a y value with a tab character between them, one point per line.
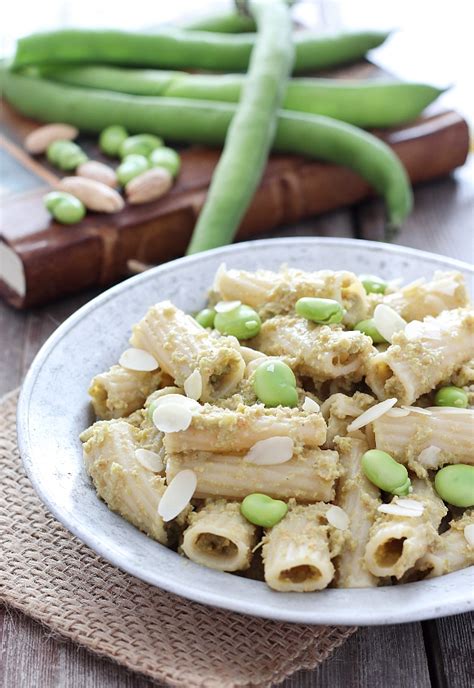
41	260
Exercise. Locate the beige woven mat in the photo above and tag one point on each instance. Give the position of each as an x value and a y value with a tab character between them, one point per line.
49	575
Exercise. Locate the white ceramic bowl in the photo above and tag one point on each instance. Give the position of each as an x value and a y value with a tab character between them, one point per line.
54	408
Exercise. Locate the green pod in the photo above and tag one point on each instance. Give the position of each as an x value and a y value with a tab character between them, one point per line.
451	396
262	510
383	471
206	317
373	284
275	384
166	158
111	138
241	322
64	207
455	484
140	144
368	327
172	48
202	122
131	167
322	311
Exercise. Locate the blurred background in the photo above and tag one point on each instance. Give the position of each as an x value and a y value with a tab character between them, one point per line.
431	40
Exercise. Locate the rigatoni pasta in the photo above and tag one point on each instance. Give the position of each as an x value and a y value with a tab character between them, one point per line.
281	428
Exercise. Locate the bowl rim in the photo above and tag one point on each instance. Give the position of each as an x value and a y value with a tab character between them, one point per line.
404	603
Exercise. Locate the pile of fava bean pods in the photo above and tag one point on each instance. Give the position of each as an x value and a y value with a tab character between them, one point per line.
95	79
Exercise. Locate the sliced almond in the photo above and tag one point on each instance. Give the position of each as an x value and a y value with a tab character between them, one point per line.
272	451
372	414
149	186
149	460
38	140
226	306
310	405
95	195
138	359
249	354
220	272
93	169
337	517
387	321
396	510
397	412
410	504
428	457
172	417
469	534
177	495
178	399
417	409
193	385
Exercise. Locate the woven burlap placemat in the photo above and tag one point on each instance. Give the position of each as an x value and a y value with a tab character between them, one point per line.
51	576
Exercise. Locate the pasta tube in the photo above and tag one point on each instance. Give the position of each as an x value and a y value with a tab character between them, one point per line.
449	431
218	536
274	293
447	290
315	352
181	346
297	552
226	430
419	360
396	542
339	410
119	391
120	479
359	498
451	551
308	476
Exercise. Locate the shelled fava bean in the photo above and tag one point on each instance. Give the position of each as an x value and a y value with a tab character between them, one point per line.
323	311
140	144
241	322
368	327
262	510
382	470
66	155
373	284
451	396
206	317
275	384
166	158
455	484
64	207
111	139
130	167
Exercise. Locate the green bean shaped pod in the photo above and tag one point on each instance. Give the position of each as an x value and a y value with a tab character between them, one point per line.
179	49
206	122
233	22
251	132
362	103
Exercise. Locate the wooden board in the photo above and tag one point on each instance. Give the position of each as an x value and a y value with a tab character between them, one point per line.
57	261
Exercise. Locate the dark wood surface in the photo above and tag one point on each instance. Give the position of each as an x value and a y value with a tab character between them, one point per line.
419	655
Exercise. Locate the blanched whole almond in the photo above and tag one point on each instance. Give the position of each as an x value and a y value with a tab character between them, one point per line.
95	195
93	169
38	140
149	186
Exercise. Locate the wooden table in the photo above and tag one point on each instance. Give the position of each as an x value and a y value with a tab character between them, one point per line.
417	655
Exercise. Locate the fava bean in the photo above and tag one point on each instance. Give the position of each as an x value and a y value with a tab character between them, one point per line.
368	328
166	158
455	484
382	470
241	322
111	138
66	155
323	311
451	396
262	510
131	167
140	144
206	317
275	384
64	207
373	284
